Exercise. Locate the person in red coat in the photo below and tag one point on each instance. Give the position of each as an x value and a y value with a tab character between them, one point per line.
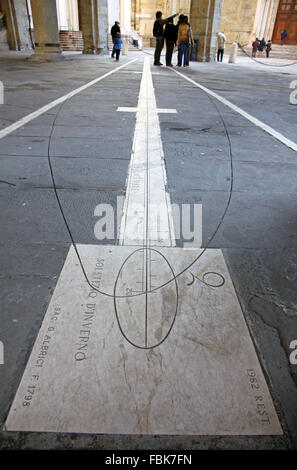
255	47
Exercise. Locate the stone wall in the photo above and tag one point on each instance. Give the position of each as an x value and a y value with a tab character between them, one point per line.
237	20
143	15
179	6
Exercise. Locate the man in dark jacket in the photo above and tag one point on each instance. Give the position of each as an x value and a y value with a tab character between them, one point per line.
170	36
261	47
114	31
158	34
283	36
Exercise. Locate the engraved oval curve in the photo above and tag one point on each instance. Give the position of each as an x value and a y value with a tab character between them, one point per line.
146	320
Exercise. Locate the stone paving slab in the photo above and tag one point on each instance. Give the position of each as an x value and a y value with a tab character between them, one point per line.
176	361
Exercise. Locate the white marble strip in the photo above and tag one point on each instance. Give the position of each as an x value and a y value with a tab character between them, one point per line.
153	73
159	110
147	216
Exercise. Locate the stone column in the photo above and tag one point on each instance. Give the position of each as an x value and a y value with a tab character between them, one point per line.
17	24
271	19
125	16
102	26
205	22
93	21
46	32
72	12
135	14
86	24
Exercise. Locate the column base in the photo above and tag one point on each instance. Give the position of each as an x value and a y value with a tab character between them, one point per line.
47	53
88	50
46	57
206	59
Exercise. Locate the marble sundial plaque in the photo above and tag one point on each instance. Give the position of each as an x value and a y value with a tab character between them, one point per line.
174	357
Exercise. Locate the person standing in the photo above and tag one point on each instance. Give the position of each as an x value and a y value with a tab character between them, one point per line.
191	41
268	48
170	35
284	34
261	47
158	34
221	46
180	19
255	46
118	45
181	16
114	30
183	40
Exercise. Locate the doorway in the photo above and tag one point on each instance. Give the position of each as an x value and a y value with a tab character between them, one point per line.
286	19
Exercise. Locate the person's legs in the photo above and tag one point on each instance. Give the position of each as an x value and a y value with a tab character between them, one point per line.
113	49
180	55
156	60
117	54
220	55
181	52
169	51
186	54
158	50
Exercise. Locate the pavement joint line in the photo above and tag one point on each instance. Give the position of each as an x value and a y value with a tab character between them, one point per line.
21	122
265	127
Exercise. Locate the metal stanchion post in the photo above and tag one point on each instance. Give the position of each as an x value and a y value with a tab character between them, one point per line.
233	53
